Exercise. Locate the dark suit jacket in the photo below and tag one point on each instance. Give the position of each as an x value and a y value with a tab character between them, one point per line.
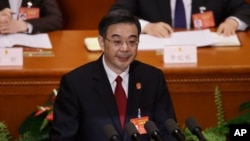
160	10
50	15
85	103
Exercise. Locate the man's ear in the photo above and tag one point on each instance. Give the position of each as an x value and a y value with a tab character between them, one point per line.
101	42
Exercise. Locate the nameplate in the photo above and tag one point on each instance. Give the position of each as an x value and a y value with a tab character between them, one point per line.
11	56
180	54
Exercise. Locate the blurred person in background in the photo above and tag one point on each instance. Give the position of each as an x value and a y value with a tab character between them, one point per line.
29	16
157	16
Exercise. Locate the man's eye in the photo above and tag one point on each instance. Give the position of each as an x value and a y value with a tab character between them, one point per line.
132	42
117	42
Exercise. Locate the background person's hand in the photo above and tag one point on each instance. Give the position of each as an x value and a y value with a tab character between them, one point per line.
5	18
15	26
5	15
159	29
4	22
7	12
228	27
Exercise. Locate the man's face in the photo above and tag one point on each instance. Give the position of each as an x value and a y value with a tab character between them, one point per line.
120	46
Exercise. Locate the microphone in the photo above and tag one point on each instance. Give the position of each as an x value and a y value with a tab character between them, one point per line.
195	128
174	130
132	131
152	130
111	133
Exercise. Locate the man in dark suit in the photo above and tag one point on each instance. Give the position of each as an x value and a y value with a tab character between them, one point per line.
157	16
50	17
86	100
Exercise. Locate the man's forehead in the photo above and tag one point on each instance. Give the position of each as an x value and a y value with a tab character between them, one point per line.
122	29
121	36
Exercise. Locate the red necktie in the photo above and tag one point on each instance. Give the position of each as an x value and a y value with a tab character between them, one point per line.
121	100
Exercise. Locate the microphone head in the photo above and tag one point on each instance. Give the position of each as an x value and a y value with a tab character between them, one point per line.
131	129
111	132
192	124
174	130
171	126
150	127
195	128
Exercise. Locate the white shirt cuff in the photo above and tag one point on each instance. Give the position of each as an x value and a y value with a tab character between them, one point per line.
241	25
143	24
30	28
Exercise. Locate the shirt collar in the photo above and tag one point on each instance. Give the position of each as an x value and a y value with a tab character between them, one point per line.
111	74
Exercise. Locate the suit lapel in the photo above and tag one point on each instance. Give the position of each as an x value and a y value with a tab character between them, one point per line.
196	4
165	10
4	4
134	93
104	91
24	3
34	3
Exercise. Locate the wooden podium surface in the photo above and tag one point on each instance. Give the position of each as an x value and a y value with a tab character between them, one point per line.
191	86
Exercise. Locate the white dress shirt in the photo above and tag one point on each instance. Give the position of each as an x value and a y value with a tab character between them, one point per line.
112	76
14	6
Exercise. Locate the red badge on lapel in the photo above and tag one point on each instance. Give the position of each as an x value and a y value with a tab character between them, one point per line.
138	85
28	13
203	20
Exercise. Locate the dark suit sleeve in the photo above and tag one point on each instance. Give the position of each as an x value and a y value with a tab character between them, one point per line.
50	17
164	109
242	11
66	123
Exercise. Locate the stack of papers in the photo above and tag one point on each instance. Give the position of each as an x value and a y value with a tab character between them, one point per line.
35	41
199	38
221	40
